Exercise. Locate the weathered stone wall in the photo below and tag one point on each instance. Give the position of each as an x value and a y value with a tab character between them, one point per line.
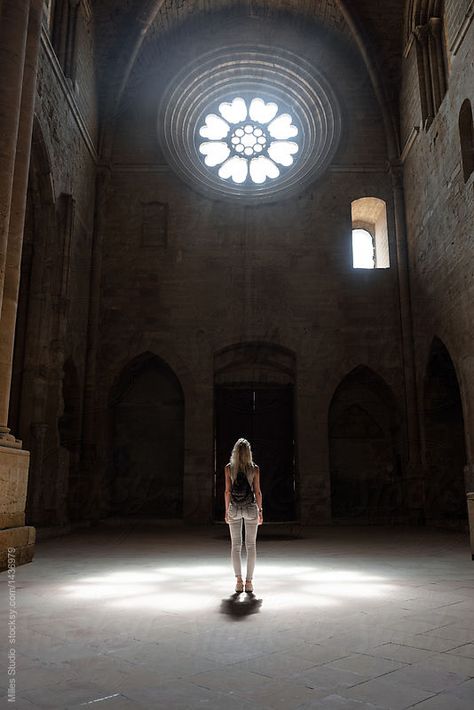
54	293
224	273
184	276
440	216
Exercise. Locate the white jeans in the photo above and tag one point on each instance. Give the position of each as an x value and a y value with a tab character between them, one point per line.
248	513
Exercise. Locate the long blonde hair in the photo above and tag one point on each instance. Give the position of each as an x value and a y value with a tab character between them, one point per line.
241	460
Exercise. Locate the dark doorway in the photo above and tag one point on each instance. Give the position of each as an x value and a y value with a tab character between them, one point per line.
444	446
148	441
366	482
264	416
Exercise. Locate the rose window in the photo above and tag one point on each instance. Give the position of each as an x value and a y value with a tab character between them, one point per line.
248	142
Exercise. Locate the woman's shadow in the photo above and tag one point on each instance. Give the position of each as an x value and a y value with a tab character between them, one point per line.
241	604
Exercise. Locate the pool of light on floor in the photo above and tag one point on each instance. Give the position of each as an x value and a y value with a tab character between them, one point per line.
192	587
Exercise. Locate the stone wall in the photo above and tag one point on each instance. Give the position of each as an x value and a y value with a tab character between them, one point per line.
220	273
183	277
54	294
440	216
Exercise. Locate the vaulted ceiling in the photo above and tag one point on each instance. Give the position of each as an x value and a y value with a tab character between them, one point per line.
129	31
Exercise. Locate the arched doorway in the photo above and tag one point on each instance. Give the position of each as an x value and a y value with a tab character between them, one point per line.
147	441
254	398
444	441
364	450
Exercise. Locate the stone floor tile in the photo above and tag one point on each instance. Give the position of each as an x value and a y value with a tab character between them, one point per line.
387	694
93	616
447	662
464	691
416	627
231	678
19	704
427	642
318	653
108	702
337	702
398	652
275	665
329	680
452	632
63	695
427	677
283	694
183	695
112	674
43	676
444	701
368	666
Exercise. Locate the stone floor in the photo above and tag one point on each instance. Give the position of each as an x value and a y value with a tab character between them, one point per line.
342	619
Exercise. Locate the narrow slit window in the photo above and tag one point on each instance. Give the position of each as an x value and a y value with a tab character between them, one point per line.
466	137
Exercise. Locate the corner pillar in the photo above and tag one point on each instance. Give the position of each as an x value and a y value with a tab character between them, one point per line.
20	28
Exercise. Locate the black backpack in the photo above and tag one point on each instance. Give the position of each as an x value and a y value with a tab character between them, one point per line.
241	491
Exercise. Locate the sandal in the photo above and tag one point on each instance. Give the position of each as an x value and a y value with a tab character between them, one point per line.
248	585
239	585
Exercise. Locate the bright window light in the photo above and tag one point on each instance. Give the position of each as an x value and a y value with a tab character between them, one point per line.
363	256
248	141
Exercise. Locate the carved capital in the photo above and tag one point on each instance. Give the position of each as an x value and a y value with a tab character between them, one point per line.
422	33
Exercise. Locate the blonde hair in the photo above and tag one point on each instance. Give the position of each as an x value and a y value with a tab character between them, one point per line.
241	460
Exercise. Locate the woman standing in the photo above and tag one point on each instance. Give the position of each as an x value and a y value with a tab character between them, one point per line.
243	501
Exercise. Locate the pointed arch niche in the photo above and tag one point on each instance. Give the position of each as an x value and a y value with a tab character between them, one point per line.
147	406
444	441
365	450
254	398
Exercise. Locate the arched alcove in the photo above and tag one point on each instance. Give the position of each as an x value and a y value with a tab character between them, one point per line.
35	379
444	441
147	406
254	398
364	450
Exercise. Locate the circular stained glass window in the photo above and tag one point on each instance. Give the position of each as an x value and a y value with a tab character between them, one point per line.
249	123
249	141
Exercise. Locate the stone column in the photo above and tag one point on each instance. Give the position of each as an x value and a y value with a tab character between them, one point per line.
437	66
13	33
14	461
422	36
17	219
414	478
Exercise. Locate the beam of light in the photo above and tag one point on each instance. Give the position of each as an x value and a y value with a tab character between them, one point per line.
339	576
168	601
119	577
195	570
347	590
102	591
194	587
